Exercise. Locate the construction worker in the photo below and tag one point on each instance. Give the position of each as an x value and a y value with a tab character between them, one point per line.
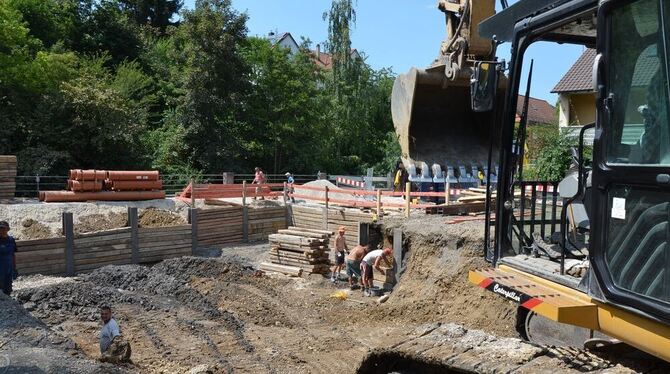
289	181
340	250
259	179
400	178
7	258
373	260
354	264
113	348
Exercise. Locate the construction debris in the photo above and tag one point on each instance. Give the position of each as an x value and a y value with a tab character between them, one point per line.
298	249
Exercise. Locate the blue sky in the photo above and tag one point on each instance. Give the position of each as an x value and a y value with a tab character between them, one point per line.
393	33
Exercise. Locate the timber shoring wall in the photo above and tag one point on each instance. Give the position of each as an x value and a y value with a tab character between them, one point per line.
7	177
111	247
226	224
315	218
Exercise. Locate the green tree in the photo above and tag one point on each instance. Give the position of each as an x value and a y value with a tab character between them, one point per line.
156	13
286	127
215	83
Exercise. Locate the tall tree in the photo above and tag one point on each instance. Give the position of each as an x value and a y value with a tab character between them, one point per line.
341	18
156	13
215	82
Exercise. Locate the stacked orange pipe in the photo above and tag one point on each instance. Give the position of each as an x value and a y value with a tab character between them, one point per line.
103	185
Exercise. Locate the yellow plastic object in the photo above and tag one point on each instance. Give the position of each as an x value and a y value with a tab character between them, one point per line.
342	295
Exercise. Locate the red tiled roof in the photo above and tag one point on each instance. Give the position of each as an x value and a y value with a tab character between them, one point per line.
539	111
579	77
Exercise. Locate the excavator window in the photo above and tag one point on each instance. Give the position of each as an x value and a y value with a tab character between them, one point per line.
639	130
638	137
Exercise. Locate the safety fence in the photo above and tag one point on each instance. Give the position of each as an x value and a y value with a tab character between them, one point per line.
74	253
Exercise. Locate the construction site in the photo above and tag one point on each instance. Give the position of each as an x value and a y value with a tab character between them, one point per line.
465	266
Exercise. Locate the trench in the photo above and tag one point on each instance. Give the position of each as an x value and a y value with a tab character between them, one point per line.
400	363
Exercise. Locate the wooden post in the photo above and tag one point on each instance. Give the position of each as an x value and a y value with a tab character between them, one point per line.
193	213
192	192
397	251
408	190
245	213
134	235
68	231
447	191
244	193
326	192
379	203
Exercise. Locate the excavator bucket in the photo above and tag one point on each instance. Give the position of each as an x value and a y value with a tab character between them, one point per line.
440	136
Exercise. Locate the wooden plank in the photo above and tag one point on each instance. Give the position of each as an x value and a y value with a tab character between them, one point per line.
27	243
288	270
151	230
97	255
316	231
101	247
183	241
112	232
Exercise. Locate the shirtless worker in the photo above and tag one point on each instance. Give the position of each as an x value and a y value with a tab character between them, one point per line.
354	264
340	250
373	260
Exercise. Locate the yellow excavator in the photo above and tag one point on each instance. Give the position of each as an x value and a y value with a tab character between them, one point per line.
622	244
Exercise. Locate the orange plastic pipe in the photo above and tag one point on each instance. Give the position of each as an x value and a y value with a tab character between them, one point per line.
88	186
70	196
119	175
88	175
136	185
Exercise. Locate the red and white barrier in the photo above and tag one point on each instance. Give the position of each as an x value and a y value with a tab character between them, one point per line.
350	182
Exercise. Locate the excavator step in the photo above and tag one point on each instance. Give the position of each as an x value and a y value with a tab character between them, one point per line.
551	300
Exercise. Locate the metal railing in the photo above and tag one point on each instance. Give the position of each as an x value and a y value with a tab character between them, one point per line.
28	186
539	210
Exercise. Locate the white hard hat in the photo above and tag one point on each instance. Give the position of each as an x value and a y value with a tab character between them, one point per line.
287	174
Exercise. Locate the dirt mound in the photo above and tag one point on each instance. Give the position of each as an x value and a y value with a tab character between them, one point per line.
34	230
159	218
100	222
435	287
28	346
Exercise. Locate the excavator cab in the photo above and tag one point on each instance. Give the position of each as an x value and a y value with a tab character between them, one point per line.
625	292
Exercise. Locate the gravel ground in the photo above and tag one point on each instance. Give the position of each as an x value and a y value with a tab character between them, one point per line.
217	313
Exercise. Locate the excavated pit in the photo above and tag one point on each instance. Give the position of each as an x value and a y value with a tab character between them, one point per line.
382	362
220	315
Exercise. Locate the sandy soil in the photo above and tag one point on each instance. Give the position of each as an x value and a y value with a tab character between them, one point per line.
35	220
218	314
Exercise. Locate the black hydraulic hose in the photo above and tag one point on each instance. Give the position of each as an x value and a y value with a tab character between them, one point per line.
466	9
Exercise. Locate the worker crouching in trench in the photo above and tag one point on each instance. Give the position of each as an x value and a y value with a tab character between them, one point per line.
113	347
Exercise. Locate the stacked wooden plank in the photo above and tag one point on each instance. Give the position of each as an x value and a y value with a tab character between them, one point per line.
7	177
472	195
265	221
313	217
299	248
110	247
220	225
160	243
41	256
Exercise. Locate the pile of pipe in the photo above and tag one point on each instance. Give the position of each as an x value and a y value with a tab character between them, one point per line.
103	185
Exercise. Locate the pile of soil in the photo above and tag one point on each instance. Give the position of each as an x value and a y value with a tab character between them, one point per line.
34	230
100	222
435	287
159	218
28	346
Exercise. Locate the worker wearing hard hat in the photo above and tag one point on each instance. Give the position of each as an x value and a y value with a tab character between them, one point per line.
340	250
289	186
